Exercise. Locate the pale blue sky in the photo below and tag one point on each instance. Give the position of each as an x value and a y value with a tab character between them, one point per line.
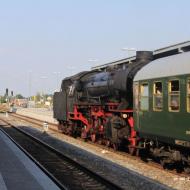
44	36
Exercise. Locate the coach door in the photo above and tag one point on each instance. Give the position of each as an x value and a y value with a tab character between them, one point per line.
136	103
143	104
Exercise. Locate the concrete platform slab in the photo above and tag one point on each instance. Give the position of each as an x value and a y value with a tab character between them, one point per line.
18	172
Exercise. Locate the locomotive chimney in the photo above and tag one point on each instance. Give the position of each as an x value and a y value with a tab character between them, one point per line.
144	56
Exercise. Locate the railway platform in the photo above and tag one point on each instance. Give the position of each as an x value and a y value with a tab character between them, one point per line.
18	172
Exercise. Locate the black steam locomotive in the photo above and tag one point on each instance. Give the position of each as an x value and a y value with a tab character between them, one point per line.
99	104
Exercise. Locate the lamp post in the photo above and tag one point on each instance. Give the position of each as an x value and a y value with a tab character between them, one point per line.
129	50
92	61
29	86
43	89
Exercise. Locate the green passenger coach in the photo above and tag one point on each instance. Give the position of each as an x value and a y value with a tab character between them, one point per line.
162	107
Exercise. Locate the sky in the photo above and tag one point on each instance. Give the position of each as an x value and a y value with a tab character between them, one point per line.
44	41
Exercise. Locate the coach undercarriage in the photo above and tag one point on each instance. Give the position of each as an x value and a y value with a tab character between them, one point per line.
169	156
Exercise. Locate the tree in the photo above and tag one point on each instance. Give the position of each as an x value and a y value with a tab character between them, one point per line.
3	99
19	96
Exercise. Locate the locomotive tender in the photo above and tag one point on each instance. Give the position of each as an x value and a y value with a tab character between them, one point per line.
143	106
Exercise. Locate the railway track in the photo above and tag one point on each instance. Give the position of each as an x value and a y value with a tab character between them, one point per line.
65	172
35	121
149	161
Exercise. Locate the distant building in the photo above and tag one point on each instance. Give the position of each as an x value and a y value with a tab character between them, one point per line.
21	102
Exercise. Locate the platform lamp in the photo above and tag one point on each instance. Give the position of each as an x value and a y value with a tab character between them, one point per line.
92	61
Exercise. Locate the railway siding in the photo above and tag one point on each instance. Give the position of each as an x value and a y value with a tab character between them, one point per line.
39	113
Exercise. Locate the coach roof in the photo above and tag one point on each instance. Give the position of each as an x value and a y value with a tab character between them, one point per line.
168	66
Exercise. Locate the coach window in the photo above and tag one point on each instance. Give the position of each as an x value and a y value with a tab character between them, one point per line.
157	96
144	95
174	96
188	95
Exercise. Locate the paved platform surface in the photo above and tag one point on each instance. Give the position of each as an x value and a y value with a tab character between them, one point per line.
18	172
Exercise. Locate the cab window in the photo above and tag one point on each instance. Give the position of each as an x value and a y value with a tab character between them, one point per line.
174	96
157	96
144	97
188	95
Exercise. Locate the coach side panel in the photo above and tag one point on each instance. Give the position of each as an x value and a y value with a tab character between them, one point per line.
162	109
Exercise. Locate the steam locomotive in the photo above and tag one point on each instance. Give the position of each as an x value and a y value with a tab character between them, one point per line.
143	107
